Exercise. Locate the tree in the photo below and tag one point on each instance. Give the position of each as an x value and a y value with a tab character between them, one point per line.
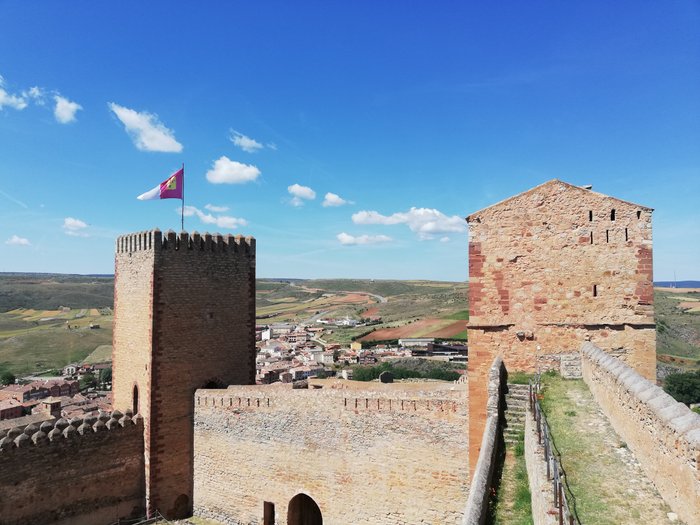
684	387
106	375
88	381
7	378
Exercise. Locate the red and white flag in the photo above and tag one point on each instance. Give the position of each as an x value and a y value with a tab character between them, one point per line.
171	188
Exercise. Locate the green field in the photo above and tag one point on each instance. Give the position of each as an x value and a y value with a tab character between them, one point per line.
677	329
36	340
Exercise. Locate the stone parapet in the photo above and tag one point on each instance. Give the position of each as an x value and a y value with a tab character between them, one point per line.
64	471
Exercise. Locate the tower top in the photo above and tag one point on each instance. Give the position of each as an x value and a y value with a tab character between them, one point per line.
155	240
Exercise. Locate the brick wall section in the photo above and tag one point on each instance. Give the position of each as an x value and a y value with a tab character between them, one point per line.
184	318
64	477
539	287
376	456
663	434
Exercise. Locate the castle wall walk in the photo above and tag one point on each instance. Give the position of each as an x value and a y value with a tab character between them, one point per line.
664	435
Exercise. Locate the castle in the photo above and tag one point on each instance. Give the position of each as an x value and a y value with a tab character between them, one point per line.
550	269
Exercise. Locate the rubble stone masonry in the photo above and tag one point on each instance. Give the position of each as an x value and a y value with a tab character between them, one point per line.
549	269
374	456
184	319
79	473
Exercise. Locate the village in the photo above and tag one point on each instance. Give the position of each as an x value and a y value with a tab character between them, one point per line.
293	352
286	353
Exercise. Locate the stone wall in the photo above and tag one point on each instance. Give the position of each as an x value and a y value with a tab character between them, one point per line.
550	268
86	472
664	435
477	510
184	319
374	455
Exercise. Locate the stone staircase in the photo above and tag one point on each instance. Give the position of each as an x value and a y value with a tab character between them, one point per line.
516	409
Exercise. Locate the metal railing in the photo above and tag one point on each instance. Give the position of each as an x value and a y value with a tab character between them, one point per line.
564	501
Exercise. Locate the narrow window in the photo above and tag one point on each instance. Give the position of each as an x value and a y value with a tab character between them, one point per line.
135	400
590	215
626	235
595	290
591	237
607	235
612	214
639	214
268	513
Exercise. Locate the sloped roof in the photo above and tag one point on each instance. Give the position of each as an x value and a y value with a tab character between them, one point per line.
557	181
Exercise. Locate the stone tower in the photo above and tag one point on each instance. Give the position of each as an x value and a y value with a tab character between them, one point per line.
184	318
549	269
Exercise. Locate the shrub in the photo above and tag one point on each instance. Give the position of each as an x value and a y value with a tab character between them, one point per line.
684	387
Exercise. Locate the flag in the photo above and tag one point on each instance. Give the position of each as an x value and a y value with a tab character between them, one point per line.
171	188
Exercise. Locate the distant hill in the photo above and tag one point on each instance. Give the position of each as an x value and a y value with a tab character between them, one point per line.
677	284
43	291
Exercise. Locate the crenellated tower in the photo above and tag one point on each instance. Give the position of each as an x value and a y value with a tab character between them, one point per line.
184	318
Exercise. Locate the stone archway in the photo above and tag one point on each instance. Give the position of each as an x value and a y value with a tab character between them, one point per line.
303	510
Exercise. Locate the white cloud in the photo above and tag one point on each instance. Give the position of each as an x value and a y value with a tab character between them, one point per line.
331	199
18	241
146	131
227	171
244	142
74	227
352	240
9	100
271	145
216	209
444	239
65	110
425	222
36	94
222	221
300	194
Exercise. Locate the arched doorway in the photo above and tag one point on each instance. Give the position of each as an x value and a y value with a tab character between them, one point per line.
303	511
135	400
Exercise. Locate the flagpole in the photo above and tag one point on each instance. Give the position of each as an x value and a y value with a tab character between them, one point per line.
182	217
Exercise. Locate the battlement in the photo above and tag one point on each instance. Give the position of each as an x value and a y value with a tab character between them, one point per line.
49	432
382	404
155	240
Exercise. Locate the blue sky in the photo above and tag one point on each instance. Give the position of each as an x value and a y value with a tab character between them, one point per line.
400	117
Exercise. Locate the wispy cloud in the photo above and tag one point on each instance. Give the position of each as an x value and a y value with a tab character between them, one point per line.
37	94
425	222
16	240
227	171
16	201
300	194
332	200
17	102
65	110
222	221
74	227
351	240
216	209
145	130
244	142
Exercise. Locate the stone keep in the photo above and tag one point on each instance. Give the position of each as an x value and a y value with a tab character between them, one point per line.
549	269
184	318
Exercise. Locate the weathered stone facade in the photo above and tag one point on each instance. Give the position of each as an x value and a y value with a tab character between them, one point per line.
550	268
382	454
184	319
